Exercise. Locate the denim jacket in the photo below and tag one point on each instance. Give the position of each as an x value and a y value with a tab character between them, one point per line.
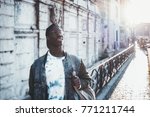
37	78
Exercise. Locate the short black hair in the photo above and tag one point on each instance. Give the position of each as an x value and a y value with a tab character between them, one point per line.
52	28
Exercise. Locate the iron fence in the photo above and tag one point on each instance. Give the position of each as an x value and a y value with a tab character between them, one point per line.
107	70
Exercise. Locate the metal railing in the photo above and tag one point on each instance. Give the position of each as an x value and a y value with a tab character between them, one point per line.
107	70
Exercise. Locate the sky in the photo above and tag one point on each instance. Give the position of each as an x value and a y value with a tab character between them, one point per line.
138	11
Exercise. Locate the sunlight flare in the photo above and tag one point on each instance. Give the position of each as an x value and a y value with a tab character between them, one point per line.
137	11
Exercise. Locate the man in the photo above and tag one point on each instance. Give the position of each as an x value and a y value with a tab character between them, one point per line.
54	75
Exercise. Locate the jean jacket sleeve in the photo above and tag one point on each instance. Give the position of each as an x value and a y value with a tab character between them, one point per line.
84	76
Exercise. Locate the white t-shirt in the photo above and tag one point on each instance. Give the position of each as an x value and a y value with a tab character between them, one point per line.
55	77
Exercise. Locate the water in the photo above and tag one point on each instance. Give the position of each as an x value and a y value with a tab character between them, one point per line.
135	83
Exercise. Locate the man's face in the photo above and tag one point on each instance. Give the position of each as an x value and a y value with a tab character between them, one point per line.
55	38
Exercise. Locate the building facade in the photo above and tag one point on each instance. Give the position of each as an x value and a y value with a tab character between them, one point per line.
125	27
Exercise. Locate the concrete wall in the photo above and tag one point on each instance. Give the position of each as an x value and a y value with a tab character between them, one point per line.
7	49
114	11
82	28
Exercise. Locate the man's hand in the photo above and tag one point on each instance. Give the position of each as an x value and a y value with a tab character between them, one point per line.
76	80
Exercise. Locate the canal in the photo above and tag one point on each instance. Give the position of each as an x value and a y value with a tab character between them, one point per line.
135	82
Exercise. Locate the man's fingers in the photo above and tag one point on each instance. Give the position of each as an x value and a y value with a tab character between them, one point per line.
77	82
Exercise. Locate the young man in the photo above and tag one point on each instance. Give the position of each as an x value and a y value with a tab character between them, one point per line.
53	75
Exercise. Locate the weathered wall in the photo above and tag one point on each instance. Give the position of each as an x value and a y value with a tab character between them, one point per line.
26	42
82	28
7	49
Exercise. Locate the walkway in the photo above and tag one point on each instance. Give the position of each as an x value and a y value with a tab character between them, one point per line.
135	83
